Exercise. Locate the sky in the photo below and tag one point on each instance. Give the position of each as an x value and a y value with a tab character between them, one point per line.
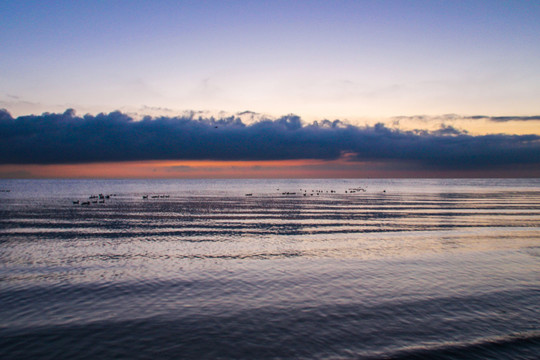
302	88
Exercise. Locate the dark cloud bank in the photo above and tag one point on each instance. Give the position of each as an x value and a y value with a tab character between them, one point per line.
67	138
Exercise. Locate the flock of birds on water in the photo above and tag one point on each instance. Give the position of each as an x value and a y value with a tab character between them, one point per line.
94	199
100	198
304	192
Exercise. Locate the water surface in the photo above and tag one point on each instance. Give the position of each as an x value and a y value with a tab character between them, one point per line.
313	269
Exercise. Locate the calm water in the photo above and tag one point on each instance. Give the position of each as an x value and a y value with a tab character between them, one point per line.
398	269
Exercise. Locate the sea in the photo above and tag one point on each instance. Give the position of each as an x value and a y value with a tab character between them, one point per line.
270	269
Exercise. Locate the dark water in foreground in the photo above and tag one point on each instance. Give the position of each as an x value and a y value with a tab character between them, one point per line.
429	269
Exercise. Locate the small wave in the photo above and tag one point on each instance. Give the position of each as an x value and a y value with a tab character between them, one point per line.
523	345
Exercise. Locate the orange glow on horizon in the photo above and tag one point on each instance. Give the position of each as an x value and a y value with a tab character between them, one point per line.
172	169
343	167
228	163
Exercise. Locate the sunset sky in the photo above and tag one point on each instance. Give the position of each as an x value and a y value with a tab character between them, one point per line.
207	88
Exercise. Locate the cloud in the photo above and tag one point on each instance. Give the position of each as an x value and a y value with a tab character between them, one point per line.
5	115
428	118
504	118
156	109
67	138
453	117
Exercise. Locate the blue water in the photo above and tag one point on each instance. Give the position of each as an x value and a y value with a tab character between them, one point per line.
300	269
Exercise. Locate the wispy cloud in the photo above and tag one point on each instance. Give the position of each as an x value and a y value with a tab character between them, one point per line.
505	118
67	138
454	117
